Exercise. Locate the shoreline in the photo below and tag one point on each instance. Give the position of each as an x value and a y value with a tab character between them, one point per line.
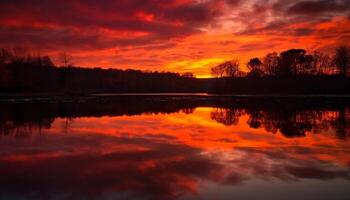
58	96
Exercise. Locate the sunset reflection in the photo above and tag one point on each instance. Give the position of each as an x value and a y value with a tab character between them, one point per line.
167	155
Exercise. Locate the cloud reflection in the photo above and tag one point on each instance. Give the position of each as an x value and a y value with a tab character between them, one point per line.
165	155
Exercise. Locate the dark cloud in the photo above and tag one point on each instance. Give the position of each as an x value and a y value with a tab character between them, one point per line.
303	31
233	2
295	18
77	23
316	173
288	167
319	7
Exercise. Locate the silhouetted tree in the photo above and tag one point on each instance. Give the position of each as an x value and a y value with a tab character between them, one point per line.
255	67
5	56
228	69
5	76
23	72
19	54
187	75
306	65
342	60
46	61
218	71
66	59
290	61
270	63
322	63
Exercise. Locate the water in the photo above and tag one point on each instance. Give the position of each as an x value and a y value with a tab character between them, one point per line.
175	148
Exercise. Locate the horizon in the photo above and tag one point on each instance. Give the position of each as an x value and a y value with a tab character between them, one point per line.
178	36
242	67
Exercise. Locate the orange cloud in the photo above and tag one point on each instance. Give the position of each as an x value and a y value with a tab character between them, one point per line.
178	36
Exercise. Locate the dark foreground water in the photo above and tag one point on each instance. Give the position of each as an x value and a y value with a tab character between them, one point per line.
175	148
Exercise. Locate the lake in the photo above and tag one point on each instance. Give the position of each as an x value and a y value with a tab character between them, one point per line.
175	147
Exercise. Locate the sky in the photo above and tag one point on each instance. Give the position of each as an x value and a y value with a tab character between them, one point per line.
171	35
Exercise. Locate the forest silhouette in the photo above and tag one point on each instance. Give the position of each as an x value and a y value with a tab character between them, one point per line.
292	71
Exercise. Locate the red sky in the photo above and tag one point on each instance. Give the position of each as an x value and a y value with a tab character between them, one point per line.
171	35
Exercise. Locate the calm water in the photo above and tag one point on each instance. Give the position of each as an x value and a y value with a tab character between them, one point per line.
175	148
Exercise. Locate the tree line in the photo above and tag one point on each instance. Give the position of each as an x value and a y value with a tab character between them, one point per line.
291	71
22	72
293	62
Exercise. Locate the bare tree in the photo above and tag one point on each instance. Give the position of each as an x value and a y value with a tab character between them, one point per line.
232	68
322	63
228	69
307	65
5	56
217	71
342	59
66	59
19	54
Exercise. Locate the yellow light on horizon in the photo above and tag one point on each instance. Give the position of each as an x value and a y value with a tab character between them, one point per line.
200	68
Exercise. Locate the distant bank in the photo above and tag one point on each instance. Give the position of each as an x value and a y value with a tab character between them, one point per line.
277	85
291	72
309	85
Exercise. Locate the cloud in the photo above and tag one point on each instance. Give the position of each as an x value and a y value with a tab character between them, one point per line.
85	22
170	31
77	165
289	164
319	7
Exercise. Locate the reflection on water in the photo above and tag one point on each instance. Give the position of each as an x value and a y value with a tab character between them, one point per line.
175	148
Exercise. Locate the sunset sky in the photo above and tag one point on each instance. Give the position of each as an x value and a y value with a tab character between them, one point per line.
171	35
